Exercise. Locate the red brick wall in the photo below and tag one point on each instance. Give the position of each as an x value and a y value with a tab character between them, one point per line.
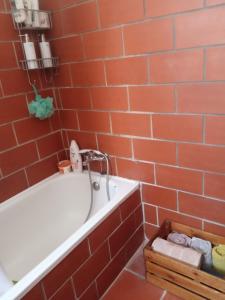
144	81
29	148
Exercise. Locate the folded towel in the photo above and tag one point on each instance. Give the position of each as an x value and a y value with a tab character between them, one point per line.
179	238
178	252
218	255
205	248
5	283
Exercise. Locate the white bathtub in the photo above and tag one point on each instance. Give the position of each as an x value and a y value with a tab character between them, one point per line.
41	225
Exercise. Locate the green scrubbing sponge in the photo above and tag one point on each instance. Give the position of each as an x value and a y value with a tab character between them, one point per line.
41	108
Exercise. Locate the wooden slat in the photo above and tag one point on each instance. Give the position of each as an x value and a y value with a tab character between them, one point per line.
185	282
174	289
185	269
190	231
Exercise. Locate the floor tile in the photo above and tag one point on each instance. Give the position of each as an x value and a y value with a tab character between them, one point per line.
137	265
129	286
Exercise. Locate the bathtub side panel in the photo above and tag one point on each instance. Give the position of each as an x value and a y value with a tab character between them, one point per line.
111	245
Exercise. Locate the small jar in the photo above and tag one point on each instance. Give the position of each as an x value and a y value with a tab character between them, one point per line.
64	166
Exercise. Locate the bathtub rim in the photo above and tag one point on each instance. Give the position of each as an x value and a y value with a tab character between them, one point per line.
30	280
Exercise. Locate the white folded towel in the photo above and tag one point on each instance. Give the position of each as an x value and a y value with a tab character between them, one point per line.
178	252
5	283
205	247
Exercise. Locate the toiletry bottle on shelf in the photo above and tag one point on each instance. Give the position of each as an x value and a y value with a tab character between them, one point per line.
28	6
19	13
45	52
35	8
75	157
30	53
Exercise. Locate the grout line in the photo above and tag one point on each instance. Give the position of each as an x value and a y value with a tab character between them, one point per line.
123	41
204	73
134	273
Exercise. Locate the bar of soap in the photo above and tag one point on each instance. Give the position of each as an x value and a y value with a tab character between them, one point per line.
184	254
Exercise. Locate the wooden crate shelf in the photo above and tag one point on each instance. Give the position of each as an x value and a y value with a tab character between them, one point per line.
180	278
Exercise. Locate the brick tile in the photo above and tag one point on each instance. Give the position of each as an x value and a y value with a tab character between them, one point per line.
10	34
159	36
177	67
215	65
24	155
65	269
202	157
152	98
157	8
84	139
106	43
18	85
194	29
201	98
119	237
50	144
63	77
131	124
119	261
42	170
178	217
109	98
102	232
8	58
35	294
150	230
177	127
215	130
75	98
117	12
130	204
9	140
88	73
127	71
160	196
135	170
13	108
65	292
214	2
80	18
71	47
213	228
214	185
110	273
157	151
181	179
94	121
69	119
30	129
114	145
17	181
150	214
90	294
89	271
199	207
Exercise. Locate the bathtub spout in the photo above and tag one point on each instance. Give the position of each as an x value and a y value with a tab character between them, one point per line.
90	155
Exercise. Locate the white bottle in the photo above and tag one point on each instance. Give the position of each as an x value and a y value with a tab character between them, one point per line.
75	157
45	52
35	8
28	6
30	53
19	13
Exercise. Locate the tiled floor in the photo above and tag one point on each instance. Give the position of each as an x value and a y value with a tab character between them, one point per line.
131	284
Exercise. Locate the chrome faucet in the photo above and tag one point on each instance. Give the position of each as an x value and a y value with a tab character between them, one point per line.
90	155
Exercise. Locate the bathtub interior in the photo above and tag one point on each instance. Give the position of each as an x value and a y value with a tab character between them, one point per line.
37	221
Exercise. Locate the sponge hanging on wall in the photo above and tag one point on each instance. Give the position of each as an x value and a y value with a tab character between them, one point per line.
41	108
